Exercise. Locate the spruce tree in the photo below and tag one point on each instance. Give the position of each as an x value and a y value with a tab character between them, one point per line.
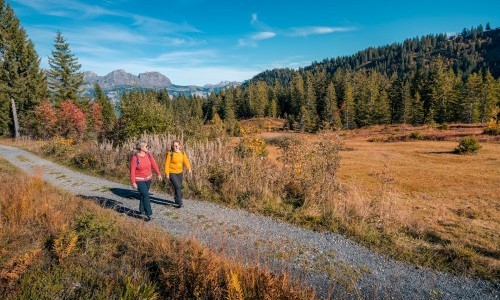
331	113
22	83
108	111
64	76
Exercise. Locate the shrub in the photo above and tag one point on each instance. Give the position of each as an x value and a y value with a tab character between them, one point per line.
86	160
70	120
59	146
444	126
294	194
468	144
251	146
416	135
493	128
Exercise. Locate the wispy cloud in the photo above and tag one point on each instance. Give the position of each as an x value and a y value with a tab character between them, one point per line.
255	19
186	57
252	40
162	26
263	35
314	30
80	10
68	8
266	32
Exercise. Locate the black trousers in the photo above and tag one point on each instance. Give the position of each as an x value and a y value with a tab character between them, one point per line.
144	204
176	180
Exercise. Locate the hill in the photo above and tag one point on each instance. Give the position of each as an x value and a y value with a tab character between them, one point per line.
470	51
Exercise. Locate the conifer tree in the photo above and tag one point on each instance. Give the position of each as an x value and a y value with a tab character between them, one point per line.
331	112
471	98
489	98
108	110
310	98
347	108
64	76
260	100
22	83
297	94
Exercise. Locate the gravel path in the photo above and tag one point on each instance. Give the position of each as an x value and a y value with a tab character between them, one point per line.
330	263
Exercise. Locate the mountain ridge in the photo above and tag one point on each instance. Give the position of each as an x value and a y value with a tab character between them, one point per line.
119	80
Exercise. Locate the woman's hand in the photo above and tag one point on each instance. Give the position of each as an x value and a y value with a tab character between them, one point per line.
190	172
160	178
134	185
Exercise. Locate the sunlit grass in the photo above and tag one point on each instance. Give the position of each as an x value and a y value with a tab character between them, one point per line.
57	246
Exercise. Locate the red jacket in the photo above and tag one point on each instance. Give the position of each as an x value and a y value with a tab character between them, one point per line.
142	171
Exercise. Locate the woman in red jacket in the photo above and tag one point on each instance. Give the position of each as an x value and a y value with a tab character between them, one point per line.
141	166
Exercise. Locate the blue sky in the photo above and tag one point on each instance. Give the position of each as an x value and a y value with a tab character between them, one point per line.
204	42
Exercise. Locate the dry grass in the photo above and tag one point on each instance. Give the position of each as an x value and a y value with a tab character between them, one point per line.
413	200
57	246
417	200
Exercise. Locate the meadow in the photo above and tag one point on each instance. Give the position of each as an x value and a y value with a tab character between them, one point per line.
399	190
58	246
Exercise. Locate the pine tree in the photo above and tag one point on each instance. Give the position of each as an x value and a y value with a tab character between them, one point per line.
22	83
472	97
108	110
489	98
64	76
297	94
310	98
331	111
348	114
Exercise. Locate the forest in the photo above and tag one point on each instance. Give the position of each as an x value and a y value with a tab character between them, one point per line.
434	79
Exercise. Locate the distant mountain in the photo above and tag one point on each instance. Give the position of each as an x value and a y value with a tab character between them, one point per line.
119	80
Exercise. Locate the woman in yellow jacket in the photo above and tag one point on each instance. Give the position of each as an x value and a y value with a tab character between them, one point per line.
174	170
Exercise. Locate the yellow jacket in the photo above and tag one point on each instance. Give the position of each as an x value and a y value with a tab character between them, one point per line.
174	161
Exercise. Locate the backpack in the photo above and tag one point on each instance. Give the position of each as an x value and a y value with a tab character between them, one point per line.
137	160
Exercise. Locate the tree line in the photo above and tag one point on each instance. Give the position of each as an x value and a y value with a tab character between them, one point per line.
433	79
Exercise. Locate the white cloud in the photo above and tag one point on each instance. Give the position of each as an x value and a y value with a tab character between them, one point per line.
263	35
161	26
67	8
185	57
254	19
252	40
315	30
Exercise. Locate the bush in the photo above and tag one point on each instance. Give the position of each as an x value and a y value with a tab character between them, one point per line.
416	135
468	145
86	160
444	126
294	194
59	146
493	128
251	146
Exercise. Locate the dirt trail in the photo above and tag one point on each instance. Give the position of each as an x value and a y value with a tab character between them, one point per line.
328	262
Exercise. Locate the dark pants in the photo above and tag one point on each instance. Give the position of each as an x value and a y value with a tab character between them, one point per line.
176	180
144	204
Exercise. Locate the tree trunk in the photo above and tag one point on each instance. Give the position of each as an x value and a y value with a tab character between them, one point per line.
14	116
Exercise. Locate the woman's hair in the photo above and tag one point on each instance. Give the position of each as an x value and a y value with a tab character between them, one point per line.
140	144
173	142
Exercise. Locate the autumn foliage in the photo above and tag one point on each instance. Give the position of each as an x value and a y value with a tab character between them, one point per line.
67	120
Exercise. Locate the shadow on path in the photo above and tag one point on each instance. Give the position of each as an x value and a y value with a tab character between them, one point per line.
115	205
133	194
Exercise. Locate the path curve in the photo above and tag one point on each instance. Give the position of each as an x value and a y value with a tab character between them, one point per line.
325	261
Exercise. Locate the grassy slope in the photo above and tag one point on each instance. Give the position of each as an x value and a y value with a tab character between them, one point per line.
419	202
54	245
